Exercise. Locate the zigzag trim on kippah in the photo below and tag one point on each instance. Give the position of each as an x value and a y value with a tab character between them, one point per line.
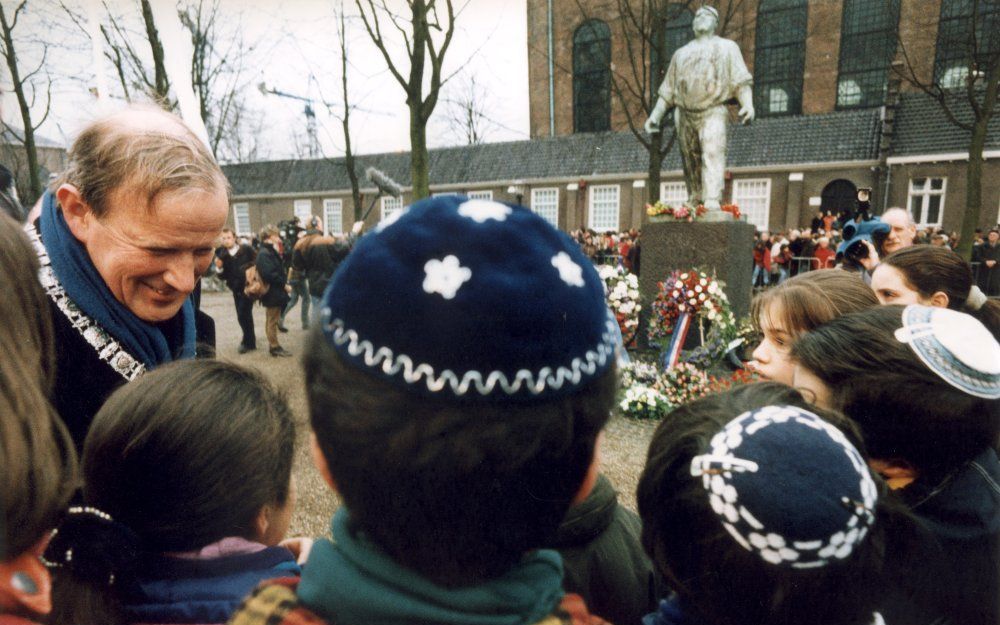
391	364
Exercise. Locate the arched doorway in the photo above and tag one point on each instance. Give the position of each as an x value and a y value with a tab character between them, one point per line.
840	197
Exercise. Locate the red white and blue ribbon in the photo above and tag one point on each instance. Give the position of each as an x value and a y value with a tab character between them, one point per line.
673	353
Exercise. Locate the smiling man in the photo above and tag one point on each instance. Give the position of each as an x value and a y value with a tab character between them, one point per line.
123	237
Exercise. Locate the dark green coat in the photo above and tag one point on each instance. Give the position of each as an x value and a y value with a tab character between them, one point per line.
603	558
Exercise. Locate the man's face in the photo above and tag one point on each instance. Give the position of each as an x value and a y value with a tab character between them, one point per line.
151	258
902	234
993	237
704	22
228	239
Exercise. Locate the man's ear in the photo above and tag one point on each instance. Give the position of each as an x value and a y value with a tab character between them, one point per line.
319	460
591	477
77	213
940	300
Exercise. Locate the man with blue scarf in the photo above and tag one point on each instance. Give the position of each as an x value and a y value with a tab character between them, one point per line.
123	237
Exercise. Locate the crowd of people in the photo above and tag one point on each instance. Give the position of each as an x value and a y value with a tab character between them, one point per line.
779	256
459	373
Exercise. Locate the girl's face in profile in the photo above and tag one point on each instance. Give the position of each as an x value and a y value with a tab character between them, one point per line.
772	358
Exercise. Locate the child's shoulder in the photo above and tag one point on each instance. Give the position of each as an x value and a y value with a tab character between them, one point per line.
275	602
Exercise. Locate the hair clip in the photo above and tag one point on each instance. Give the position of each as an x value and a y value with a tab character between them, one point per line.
709	464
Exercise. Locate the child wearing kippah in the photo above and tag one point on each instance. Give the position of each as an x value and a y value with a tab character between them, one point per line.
923	385
457	383
758	508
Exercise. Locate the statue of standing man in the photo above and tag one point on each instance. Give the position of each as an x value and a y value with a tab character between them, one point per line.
703	76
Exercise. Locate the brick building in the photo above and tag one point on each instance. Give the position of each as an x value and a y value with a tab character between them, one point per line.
828	122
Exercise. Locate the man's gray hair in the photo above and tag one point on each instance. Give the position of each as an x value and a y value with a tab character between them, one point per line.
909	217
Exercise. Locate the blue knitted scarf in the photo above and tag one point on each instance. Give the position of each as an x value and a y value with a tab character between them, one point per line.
147	342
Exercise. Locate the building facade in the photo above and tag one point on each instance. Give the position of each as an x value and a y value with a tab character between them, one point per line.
831	118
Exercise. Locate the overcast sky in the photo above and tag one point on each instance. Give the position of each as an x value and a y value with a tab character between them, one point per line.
297	52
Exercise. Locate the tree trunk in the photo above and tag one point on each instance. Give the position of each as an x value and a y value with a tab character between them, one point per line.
414	99
352	173
30	150
655	166
973	187
419	166
161	84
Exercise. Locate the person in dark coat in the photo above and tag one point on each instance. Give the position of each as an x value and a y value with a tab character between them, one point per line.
603	560
122	243
988	256
316	257
233	259
272	272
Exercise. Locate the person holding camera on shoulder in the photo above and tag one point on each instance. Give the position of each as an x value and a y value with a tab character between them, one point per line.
272	273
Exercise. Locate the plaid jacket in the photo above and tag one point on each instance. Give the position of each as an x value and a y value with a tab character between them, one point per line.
275	603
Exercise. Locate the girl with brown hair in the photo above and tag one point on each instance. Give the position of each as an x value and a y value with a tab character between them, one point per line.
796	306
37	461
933	276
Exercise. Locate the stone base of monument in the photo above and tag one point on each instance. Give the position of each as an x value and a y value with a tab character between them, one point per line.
723	247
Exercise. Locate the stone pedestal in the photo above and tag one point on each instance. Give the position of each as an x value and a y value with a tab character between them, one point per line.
725	247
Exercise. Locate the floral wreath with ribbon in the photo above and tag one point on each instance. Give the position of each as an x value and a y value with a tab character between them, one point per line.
684	297
622	293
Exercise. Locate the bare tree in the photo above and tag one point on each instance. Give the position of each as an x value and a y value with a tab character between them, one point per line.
22	85
972	82
420	48
349	161
466	111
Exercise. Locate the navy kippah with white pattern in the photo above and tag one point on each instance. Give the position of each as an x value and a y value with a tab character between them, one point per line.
788	486
471	299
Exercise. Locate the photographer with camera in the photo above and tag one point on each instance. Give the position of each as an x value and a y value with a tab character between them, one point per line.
291	232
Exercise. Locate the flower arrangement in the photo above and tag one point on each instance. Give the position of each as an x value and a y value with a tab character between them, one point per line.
622	291
692	292
639	372
644	402
680	213
734	209
683	383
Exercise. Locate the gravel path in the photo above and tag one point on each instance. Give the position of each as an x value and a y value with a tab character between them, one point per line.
623	454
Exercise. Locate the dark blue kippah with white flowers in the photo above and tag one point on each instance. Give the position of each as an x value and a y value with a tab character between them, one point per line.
788	486
471	299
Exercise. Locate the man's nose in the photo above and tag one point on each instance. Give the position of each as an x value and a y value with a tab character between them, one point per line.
180	274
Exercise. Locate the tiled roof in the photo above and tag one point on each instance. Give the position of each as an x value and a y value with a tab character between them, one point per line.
923	128
838	136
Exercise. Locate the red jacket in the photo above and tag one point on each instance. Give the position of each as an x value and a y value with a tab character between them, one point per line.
824	257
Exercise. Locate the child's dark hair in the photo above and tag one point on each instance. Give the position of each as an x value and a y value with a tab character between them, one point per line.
904	409
719	581
929	269
456	492
184	456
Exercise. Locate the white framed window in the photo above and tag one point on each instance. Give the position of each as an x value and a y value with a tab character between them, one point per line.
303	210
333	215
481	195
926	200
545	202
754	199
605	207
241	219
673	193
391	205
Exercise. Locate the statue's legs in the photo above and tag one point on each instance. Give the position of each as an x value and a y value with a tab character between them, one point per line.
712	136
688	126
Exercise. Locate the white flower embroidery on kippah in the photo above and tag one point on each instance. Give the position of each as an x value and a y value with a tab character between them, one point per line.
481	210
445	276
569	271
391	219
